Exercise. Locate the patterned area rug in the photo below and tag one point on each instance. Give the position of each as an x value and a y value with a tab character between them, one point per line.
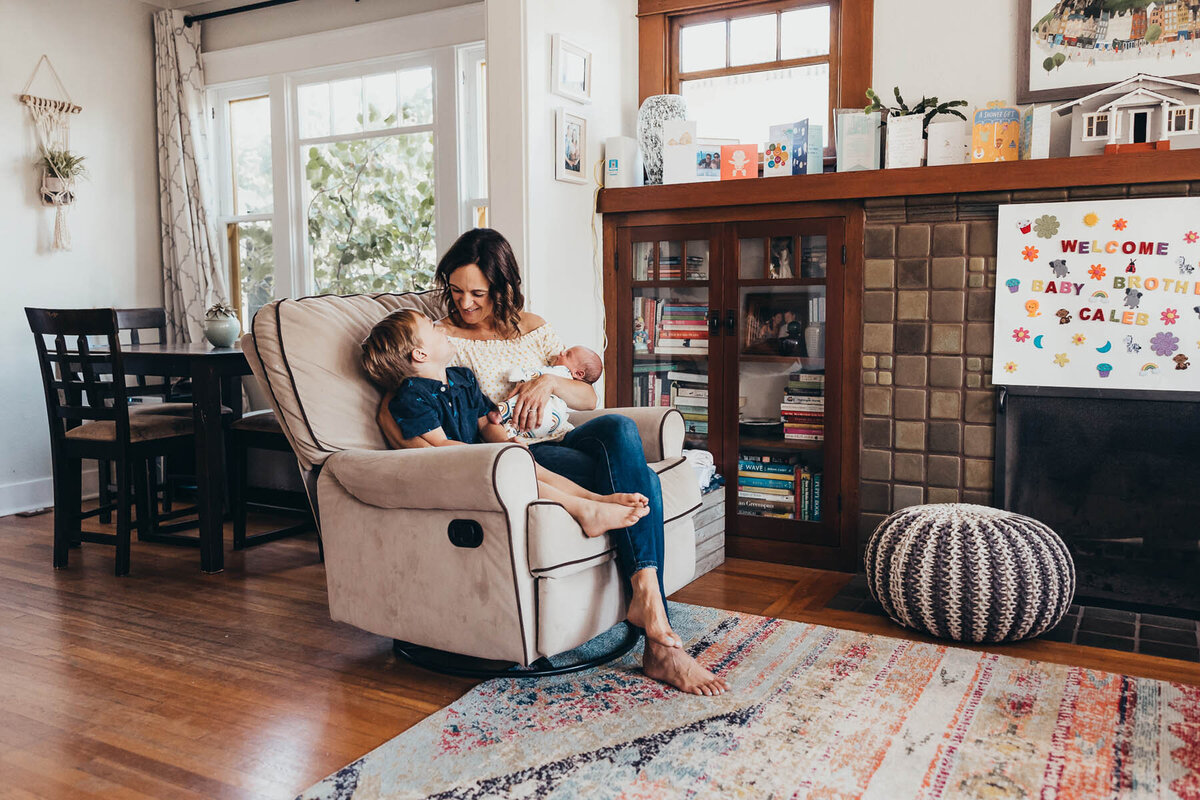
814	712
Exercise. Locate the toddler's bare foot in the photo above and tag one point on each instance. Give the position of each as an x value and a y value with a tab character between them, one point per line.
675	667
597	519
626	499
646	612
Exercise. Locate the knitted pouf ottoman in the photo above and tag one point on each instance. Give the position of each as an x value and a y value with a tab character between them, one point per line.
970	573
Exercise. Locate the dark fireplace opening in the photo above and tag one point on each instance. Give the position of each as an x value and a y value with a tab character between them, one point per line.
1117	476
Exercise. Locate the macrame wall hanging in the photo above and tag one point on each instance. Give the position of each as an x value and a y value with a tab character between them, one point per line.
60	167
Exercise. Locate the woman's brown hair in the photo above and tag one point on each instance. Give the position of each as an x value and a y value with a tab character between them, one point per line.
491	252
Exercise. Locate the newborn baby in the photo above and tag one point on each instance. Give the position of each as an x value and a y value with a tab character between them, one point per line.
578	363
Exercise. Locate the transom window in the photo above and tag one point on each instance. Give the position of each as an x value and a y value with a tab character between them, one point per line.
747	68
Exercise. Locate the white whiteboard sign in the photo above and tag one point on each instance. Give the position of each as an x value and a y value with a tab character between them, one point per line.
1099	294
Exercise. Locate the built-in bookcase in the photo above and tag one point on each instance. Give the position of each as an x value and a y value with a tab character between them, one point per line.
740	325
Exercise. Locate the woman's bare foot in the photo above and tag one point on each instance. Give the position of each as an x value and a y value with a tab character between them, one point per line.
633	499
674	666
646	610
597	519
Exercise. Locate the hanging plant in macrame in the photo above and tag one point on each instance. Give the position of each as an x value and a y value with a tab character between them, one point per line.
60	167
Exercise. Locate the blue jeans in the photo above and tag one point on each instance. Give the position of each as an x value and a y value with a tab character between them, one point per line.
604	455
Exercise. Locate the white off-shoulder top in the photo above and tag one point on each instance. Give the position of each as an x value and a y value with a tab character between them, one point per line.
493	359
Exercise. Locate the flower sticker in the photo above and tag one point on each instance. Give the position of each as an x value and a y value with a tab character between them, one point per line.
1021	334
1170	316
1045	226
1163	344
1061	359
1096	272
1191	237
1030	253
1091	218
1119	224
1078	339
1010	367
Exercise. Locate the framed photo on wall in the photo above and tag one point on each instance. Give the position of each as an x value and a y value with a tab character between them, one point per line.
571	70
570	147
1064	53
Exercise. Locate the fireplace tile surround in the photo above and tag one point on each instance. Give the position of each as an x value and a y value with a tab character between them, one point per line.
929	276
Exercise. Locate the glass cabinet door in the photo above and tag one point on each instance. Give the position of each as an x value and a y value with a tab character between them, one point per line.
670	308
782	318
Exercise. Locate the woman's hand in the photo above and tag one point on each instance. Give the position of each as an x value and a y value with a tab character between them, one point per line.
530	399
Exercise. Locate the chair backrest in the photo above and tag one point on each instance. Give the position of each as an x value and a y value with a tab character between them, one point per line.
133	326
82	382
306	352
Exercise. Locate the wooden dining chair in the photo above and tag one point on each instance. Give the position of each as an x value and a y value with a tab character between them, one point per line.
87	405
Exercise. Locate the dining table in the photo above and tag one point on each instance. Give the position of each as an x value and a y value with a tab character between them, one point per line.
213	371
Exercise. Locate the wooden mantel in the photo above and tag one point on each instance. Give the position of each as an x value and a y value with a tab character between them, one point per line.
1164	166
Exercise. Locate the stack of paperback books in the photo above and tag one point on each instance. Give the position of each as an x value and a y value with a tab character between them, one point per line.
690	396
665	327
803	407
766	486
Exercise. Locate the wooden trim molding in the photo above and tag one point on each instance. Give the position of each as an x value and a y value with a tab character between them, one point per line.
1159	166
853	48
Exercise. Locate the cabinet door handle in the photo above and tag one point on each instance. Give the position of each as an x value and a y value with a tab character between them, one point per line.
731	322
714	323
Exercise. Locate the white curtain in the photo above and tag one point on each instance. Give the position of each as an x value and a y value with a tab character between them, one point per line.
192	276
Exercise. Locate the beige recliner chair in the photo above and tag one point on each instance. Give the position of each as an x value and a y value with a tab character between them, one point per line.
447	548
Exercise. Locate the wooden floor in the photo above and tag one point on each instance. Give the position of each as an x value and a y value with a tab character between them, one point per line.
170	683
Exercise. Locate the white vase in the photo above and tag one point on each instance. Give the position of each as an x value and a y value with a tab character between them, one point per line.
655	110
812	340
222	331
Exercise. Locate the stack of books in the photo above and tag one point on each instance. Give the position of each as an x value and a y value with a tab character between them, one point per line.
803	407
690	396
669	268
651	386
697	268
682	328
766	486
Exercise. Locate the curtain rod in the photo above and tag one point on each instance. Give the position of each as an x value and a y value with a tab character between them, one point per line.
189	19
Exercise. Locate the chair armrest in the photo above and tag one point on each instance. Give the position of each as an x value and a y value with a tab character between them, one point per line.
481	477
661	428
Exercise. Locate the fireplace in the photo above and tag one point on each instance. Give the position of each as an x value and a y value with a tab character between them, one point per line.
1117	475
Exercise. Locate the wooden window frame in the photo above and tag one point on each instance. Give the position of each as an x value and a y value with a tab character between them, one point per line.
851	44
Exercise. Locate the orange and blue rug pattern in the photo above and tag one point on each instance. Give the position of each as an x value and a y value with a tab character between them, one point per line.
814	712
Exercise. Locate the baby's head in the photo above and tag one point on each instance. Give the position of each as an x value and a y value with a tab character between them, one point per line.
584	364
401	345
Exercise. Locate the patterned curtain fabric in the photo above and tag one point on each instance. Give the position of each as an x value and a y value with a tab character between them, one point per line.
192	277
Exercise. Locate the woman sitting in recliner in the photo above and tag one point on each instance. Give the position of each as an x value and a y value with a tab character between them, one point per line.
492	335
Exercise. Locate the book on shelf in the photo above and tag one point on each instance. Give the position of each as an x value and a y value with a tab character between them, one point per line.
688	377
693	416
764	483
760	494
806	377
693	335
695	427
788	506
746	465
688	391
683	401
765	459
803	437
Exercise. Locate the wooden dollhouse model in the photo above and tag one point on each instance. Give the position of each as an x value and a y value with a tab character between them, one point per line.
1139	113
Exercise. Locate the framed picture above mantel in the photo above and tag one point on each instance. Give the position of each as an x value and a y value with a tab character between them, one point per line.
1064	53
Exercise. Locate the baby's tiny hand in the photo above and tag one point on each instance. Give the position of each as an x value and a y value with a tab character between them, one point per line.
494	417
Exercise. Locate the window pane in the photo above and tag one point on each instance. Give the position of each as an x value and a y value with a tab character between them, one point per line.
370	209
256	268
744	107
313	103
416	96
379	95
250	141
702	47
752	40
347	105
805	32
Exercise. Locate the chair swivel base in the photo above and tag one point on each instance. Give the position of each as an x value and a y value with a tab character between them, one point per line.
469	667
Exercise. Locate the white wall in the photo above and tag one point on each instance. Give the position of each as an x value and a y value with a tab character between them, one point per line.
555	218
104	53
947	49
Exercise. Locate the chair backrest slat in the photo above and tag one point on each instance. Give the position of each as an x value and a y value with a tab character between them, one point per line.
138	321
90	383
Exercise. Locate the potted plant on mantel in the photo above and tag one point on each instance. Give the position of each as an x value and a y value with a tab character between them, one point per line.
60	168
910	154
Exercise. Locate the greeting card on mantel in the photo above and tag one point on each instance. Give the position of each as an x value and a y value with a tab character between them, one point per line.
739	161
1098	295
786	152
905	141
